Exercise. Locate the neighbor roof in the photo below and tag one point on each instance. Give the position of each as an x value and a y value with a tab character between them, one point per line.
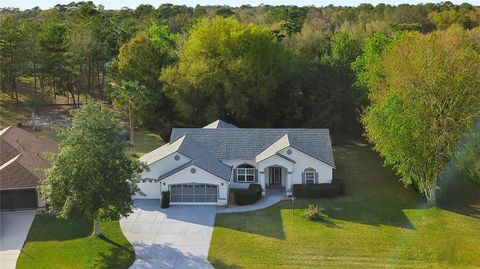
219	124
247	143
199	156
22	159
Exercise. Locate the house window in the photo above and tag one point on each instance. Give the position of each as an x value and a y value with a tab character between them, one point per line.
245	173
309	177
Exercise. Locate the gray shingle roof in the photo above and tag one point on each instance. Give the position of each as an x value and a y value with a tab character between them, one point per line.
203	159
199	156
247	143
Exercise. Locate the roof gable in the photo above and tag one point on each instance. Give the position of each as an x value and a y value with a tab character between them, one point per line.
198	155
219	124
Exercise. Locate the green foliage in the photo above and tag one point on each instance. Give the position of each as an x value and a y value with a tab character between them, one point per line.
313	212
468	156
33	103
91	176
142	59
248	196
161	37
165	199
406	26
229	70
369	66
426	102
224	12
11	53
324	190
130	94
343	51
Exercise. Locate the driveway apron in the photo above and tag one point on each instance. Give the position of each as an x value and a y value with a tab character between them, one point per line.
14	228
177	237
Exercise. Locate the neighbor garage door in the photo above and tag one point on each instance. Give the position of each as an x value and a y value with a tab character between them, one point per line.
193	193
18	199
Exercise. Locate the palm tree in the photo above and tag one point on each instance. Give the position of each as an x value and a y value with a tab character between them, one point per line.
130	95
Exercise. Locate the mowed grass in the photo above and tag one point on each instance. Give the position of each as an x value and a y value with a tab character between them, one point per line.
10	113
146	141
55	243
378	224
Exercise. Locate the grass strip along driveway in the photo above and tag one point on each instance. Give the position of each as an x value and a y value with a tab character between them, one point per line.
56	243
377	223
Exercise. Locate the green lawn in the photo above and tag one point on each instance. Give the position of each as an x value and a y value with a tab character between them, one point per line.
146	141
10	113
378	223
54	243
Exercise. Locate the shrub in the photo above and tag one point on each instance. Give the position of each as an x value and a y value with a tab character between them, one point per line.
340	185
165	199
248	196
313	212
325	190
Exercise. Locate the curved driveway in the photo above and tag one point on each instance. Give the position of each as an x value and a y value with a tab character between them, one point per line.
176	237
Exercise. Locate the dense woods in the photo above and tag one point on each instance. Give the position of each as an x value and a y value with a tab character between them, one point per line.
268	66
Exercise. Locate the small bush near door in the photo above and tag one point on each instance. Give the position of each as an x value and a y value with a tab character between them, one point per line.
248	196
165	199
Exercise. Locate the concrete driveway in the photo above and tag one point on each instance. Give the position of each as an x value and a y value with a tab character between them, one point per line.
177	237
14	227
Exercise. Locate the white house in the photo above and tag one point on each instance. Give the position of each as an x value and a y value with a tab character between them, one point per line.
201	165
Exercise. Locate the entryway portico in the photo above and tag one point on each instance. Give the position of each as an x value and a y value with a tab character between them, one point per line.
275	171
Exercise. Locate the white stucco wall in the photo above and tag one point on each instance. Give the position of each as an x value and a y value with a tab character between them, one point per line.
150	189
200	176
303	161
164	165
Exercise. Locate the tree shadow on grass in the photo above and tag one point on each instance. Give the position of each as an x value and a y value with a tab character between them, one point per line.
119	256
266	222
104	238
459	195
363	211
47	227
219	264
325	220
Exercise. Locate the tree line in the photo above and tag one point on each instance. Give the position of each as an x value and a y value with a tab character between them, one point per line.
407	75
302	79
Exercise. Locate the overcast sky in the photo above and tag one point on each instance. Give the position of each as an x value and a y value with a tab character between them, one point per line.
110	4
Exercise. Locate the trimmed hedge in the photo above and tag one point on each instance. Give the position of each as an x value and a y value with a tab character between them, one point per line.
165	199
340	184
325	190
248	196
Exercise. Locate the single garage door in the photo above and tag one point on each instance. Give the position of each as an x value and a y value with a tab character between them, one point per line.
18	199
193	193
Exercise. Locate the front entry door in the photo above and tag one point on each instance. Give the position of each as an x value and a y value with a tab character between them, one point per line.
275	176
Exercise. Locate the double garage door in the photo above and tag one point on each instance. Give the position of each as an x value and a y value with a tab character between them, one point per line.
18	199
193	193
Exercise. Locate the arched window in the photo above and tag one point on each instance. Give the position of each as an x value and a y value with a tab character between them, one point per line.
245	173
310	176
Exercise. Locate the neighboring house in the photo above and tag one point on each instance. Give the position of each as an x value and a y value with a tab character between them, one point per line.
21	163
200	165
